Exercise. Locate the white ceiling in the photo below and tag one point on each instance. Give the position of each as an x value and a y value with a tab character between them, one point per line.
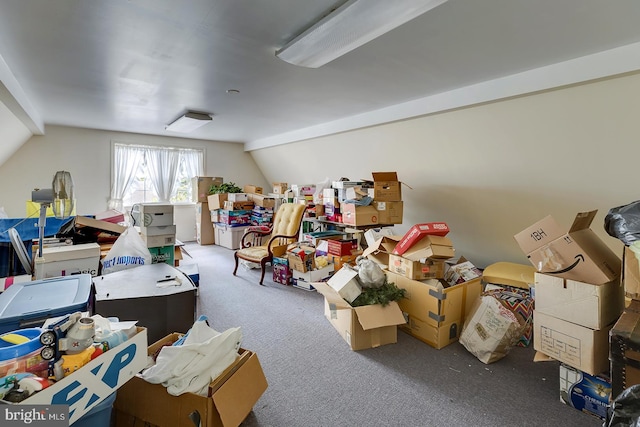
135	65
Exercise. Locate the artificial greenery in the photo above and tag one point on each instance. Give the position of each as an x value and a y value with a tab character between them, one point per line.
382	295
227	187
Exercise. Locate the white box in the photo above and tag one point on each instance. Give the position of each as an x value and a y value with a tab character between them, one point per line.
237	197
345	283
5	282
152	214
97	380
158	230
67	260
229	237
304	280
160	240
593	306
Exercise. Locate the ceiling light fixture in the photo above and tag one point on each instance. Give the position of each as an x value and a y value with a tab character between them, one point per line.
351	25
189	122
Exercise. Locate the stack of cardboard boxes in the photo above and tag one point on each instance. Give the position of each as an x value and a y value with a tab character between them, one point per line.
231	216
157	230
200	190
578	298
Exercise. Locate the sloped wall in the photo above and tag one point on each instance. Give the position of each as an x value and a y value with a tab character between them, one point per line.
490	171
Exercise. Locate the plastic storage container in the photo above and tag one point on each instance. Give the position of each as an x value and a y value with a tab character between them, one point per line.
29	304
99	416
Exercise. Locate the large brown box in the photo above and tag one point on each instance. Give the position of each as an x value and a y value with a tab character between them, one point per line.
624	350
204	226
200	186
230	398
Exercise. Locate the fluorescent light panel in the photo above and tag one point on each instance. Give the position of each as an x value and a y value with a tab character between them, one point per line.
351	25
189	122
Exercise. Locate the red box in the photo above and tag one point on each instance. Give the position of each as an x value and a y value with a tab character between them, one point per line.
417	232
342	247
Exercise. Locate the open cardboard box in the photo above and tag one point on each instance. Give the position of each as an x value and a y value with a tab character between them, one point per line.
230	398
362	327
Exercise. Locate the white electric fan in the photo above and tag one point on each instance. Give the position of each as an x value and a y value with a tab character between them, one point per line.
61	199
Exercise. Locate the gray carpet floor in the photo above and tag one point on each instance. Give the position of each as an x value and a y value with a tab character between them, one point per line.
315	379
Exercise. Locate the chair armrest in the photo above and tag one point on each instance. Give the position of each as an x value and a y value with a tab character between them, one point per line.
254	235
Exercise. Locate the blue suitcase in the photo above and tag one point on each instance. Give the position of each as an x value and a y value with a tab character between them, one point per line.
29	304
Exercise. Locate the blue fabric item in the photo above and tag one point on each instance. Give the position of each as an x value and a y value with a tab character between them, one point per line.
365	201
28	227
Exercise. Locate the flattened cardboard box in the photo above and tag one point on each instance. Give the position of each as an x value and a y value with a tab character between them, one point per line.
631	274
593	306
625	350
576	345
578	254
435	316
230	398
363	327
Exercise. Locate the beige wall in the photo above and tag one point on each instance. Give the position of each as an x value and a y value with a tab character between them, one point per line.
87	155
490	171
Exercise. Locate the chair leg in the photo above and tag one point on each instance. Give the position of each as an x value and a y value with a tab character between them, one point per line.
263	265
235	255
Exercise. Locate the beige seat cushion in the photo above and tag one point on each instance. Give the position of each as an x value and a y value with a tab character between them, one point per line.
255	253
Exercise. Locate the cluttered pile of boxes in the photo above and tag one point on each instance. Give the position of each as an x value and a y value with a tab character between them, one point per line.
157	229
579	300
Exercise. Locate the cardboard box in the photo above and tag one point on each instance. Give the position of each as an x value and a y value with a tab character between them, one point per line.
237	197
96	381
358	215
305	280
234	218
593	306
340	261
238	206
380	250
429	269
374	234
302	258
389	212
230	399
67	260
583	348
586	393
363	327
280	187
252	189
262	200
160	240
631	274
84	221
152	214
200	186
577	254
461	271
158	231
281	271
162	254
216	201
435	314
417	232
342	247
625	350
229	237
386	187
345	282
433	247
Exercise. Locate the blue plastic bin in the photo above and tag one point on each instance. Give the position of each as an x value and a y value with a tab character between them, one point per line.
99	416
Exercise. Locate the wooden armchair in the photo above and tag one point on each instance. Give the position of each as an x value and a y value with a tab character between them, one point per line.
257	245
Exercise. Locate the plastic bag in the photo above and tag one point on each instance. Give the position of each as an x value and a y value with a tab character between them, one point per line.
128	251
625	409
623	222
370	273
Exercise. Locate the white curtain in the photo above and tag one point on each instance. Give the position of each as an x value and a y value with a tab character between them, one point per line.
127	160
163	169
193	161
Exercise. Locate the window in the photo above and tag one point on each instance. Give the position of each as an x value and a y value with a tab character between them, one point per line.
153	174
